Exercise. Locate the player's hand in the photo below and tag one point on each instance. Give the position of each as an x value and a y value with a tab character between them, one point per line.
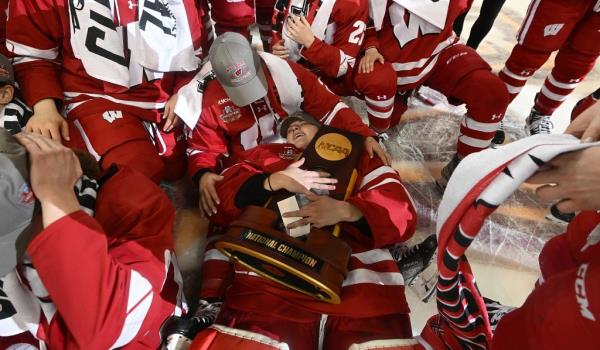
367	62
297	180
54	170
587	125
323	211
373	147
572	180
280	50
47	121
169	114
209	199
298	29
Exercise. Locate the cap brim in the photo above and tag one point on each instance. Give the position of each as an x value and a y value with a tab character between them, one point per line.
253	90
9	251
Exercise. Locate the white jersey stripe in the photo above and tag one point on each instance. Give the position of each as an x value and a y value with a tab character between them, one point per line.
145	105
373	256
138	304
380	103
530	15
513	89
32	52
360	276
558	84
467	140
326	120
398	67
380	115
384	169
86	140
551	95
415	78
479	126
513	75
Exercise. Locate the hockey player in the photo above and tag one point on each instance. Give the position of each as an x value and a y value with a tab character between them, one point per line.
419	42
238	16
327	37
378	213
72	280
569	27
240	104
96	74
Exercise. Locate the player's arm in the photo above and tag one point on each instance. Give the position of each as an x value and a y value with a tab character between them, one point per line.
385	204
33	38
338	58
324	105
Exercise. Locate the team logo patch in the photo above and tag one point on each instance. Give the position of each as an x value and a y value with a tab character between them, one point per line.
288	153
111	116
26	196
230	114
238	72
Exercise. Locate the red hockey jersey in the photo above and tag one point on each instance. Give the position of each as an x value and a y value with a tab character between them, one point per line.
374	284
408	38
339	34
225	130
39	35
105	282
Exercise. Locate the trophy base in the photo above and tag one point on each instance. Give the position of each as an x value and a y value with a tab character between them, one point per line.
316	267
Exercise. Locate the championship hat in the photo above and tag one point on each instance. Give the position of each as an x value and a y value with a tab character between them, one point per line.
300	116
238	68
7	75
17	201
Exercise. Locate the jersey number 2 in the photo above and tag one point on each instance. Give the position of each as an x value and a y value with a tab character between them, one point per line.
357	36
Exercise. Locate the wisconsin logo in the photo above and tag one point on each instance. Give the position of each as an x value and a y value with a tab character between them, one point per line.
553	29
111	116
238	72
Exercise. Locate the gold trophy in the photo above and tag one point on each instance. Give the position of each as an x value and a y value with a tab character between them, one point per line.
317	263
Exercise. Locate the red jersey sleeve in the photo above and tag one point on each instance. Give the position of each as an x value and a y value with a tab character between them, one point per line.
34	36
338	58
371	39
111	277
324	105
207	144
384	202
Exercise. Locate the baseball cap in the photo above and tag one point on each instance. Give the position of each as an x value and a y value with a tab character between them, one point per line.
17	202
238	68
300	116
7	74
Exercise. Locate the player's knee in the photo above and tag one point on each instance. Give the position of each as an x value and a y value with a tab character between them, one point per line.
381	81
485	95
139	155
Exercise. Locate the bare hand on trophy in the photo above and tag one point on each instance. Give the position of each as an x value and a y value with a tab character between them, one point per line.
373	147
324	211
298	180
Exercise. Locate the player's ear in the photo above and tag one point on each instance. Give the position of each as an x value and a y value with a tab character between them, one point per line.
7	93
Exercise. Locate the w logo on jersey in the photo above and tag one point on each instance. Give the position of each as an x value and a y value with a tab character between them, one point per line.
407	30
111	116
553	29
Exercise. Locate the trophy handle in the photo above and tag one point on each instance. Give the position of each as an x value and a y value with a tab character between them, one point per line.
349	189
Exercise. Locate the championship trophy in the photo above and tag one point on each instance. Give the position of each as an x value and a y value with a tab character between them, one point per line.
316	263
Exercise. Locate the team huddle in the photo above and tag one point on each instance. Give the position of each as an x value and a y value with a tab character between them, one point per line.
105	103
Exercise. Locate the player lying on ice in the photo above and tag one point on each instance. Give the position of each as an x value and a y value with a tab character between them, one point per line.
253	311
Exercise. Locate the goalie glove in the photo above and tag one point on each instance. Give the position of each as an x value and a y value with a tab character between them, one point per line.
177	333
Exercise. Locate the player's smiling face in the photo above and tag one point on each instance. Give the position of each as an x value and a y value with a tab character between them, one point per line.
300	133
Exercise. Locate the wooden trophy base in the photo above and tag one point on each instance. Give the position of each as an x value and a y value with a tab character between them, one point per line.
316	267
